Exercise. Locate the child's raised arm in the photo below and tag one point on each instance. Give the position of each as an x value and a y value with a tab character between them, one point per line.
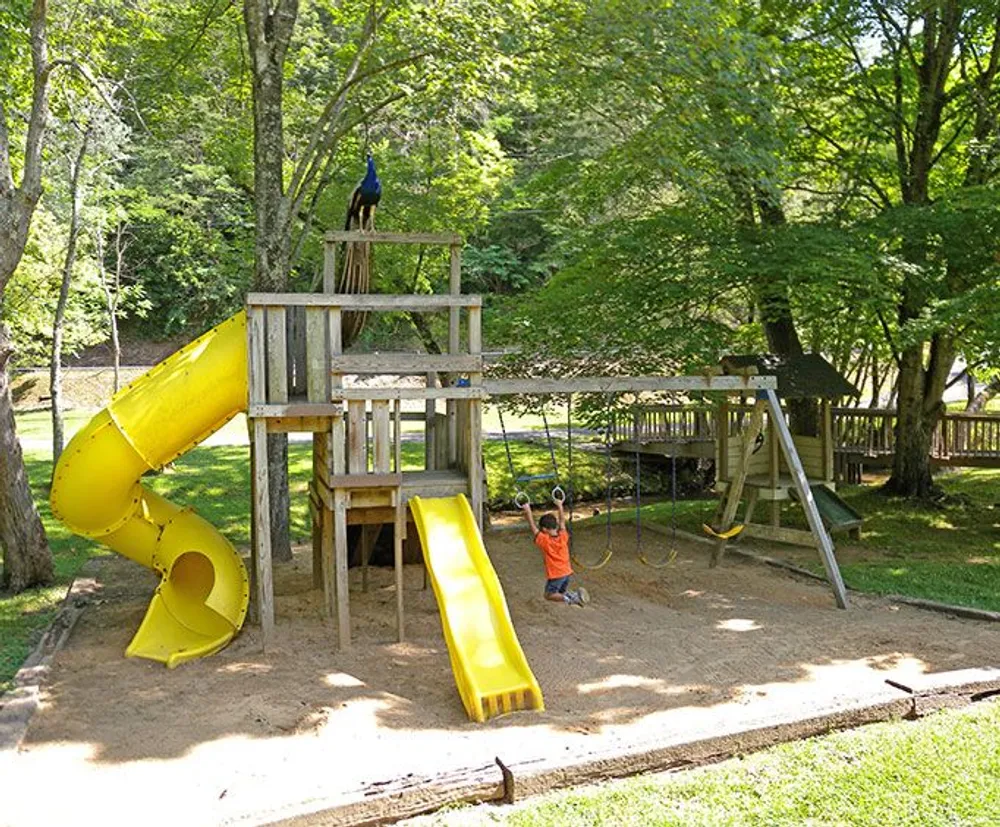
526	508
562	514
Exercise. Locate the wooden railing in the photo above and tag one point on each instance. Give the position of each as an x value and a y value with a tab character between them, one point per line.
284	371
959	439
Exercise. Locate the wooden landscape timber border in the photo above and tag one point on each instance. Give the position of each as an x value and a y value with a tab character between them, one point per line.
508	781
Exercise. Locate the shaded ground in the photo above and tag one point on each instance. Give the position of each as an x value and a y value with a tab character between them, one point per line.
660	655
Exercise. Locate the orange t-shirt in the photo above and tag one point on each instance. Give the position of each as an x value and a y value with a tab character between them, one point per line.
556	552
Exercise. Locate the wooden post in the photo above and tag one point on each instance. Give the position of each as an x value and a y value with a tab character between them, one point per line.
454	346
263	580
430	427
340	537
826	431
806	498
735	489
277	356
773	468
260	501
722	442
475	421
399	529
330	267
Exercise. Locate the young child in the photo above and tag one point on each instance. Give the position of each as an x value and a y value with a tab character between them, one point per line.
553	539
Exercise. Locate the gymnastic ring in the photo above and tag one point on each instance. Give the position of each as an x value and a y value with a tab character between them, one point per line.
561	498
517	499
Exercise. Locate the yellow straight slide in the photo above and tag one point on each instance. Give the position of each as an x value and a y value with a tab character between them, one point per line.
201	600
490	669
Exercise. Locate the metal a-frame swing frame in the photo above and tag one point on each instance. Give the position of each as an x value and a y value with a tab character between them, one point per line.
767	400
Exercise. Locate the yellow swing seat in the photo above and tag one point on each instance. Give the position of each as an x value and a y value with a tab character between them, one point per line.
728	534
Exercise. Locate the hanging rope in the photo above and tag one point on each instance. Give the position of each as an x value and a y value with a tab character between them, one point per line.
608	551
672	548
521	497
569	462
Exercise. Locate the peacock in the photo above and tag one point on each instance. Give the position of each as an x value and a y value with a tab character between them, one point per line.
364	200
356	274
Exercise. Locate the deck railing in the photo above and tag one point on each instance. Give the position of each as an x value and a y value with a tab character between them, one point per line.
958	439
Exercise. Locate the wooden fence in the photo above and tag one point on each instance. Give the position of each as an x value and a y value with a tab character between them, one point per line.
959	439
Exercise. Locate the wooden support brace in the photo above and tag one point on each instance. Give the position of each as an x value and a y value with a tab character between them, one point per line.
735	490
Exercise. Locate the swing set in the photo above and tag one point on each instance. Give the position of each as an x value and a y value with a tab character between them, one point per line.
559	495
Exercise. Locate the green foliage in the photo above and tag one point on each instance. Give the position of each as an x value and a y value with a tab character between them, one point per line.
190	240
30	299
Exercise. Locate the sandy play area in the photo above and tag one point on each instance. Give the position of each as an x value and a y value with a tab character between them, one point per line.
659	659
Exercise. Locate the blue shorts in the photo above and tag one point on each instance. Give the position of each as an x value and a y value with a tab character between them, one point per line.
557	585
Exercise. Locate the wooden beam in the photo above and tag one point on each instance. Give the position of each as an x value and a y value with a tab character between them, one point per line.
410	393
317	347
298	425
780	534
618	384
340	551
401	364
392	238
277	355
385	480
329	267
398	529
412	302
806	498
256	339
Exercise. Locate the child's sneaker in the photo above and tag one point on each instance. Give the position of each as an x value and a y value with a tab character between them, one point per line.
583	595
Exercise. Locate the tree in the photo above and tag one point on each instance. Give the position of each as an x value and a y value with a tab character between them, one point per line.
27	557
433	51
915	120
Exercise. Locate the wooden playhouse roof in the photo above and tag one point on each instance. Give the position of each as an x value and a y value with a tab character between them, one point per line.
808	376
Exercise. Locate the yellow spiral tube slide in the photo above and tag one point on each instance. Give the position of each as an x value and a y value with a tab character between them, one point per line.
201	600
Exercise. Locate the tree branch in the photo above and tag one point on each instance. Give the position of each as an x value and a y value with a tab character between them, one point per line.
6	174
31	176
888	337
326	122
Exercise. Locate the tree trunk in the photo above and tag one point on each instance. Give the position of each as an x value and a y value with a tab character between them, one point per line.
919	407
55	366
779	326
268	36
982	399
27	559
112	292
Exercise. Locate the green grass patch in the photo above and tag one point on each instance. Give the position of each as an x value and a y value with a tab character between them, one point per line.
37	425
24	617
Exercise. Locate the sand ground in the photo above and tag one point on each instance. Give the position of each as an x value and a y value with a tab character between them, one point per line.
247	738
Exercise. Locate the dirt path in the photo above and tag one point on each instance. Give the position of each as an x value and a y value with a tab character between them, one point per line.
659	656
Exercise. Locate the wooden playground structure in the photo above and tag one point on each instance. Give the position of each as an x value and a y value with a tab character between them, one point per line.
298	382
